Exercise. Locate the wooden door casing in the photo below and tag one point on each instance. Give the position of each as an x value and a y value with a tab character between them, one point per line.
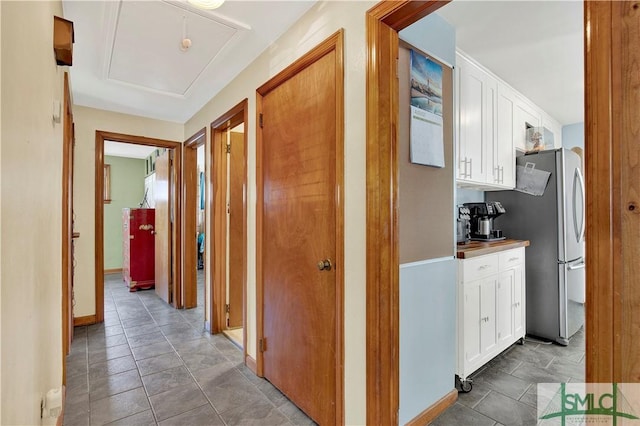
300	220
236	230
162	227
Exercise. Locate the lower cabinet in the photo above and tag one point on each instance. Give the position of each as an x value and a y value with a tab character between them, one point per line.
491	313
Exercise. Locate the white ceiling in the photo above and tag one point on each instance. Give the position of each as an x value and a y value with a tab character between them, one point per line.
128	150
535	46
128	57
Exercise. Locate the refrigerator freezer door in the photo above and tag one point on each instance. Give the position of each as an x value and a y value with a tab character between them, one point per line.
572	296
571	205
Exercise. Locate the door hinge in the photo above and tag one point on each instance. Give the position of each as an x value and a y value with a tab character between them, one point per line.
228	148
227	322
263	344
261	121
227	308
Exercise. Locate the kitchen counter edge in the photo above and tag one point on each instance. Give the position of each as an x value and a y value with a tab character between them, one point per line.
480	248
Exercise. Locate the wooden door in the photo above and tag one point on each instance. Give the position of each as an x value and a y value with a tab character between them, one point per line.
300	225
162	232
236	229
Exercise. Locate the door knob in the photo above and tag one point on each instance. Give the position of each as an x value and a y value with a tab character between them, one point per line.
324	265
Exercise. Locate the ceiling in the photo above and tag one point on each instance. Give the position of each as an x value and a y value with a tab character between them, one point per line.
128	55
128	150
535	46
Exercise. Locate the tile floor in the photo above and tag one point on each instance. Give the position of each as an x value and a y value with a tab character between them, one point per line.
504	391
150	364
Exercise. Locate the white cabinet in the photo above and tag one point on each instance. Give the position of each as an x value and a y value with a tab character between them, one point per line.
491	124
476	114
491	311
525	116
504	152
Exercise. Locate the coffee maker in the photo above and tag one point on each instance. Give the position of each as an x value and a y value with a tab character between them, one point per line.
482	216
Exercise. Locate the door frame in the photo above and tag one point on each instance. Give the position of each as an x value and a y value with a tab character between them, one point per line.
610	177
101	137
189	251
68	141
333	42
218	212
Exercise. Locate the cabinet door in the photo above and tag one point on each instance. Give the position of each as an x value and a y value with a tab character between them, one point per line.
472	322
504	308
555	128
525	116
504	151
488	330
472	102
518	301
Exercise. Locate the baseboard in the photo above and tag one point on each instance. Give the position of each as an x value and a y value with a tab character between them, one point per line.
60	419
430	414
86	320
251	364
113	271
207	326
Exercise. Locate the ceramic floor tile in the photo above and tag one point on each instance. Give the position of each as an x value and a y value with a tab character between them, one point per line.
506	410
177	401
185	337
113	384
158	363
112	366
506	384
154	349
200	361
176	328
144	418
228	393
111	352
78	367
204	415
146	339
271	393
535	374
168	379
218	373
295	415
102	341
479	390
118	406
258	413
135	322
141	329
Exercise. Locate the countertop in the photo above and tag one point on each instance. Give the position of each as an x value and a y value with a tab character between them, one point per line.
480	248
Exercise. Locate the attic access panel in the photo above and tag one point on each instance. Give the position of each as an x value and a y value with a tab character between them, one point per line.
146	48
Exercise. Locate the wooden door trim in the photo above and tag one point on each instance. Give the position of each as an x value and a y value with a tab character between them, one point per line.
217	210
189	251
67	225
102	136
333	43
382	337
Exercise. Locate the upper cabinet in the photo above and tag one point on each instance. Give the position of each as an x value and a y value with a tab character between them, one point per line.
491	124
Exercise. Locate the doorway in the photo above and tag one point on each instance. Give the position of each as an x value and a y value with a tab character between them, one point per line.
229	159
195	226
300	236
168	238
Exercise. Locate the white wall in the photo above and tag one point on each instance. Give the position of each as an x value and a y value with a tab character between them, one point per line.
87	121
324	19
31	194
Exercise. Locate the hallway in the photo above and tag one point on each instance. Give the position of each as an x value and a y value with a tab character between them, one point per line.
150	364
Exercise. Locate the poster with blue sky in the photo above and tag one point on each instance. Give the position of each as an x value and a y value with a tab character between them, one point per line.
427	138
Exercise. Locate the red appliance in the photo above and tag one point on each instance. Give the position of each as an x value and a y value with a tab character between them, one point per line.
138	248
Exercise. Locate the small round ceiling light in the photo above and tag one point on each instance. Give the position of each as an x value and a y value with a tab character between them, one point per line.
206	4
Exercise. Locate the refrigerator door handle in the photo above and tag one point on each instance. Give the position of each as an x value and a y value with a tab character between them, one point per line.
580	180
576	266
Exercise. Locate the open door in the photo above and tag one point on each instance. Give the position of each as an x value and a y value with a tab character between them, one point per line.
236	230
163	230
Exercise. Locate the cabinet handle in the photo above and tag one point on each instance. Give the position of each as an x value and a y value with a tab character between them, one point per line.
502	174
470	168
513	258
483	267
463	172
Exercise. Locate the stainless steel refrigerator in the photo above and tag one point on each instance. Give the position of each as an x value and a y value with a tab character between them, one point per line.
554	223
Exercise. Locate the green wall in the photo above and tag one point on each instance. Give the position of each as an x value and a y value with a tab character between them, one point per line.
127	190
